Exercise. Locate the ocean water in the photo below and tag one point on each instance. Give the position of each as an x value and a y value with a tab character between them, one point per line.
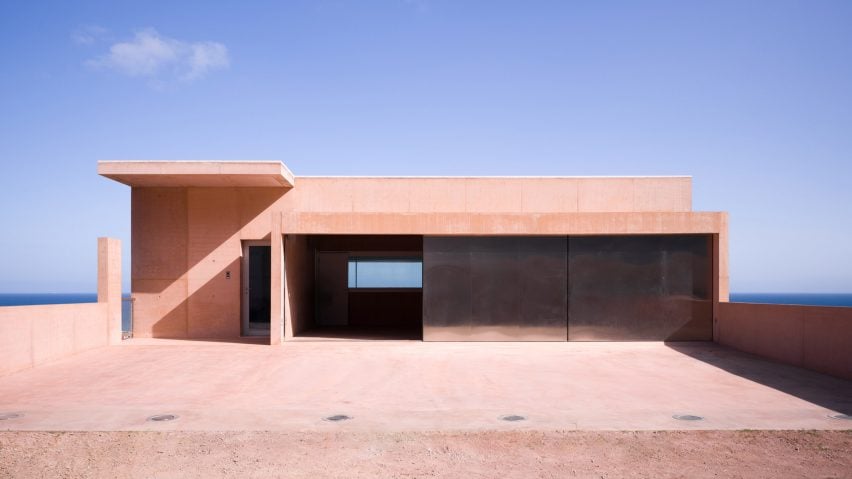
27	299
24	299
810	299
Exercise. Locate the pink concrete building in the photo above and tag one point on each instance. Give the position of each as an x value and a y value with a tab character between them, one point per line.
231	249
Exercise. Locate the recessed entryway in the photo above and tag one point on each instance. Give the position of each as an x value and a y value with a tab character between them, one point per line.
356	287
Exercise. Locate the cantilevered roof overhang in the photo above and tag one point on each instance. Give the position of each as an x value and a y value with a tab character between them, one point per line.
198	173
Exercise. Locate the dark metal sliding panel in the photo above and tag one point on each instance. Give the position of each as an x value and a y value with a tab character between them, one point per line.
642	288
494	288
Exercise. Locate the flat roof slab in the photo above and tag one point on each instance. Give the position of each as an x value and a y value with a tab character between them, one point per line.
414	386
198	173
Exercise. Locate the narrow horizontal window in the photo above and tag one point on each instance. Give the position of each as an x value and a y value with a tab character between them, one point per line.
385	273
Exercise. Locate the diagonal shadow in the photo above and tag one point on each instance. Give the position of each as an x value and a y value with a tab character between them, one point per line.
816	388
175	231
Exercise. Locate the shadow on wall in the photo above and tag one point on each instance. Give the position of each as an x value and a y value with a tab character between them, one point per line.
186	257
205	327
299	287
816	388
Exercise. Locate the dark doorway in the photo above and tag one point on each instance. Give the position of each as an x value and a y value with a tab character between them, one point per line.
256	288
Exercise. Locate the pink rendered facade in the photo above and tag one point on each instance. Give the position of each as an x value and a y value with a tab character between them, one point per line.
193	221
506	259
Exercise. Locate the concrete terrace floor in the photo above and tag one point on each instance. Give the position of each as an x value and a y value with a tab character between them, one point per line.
392	386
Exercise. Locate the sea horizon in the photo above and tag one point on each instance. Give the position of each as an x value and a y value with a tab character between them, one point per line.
34	299
805	299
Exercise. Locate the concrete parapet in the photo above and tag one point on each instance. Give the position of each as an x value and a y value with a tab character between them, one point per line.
33	335
818	338
109	284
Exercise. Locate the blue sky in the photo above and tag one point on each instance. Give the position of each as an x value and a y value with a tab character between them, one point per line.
753	99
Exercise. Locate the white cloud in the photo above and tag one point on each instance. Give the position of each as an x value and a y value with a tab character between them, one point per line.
206	56
161	58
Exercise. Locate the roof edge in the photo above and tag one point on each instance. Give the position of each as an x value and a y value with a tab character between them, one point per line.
197	173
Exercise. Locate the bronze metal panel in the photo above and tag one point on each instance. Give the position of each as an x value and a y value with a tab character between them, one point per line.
640	288
494	273
446	289
494	288
544	289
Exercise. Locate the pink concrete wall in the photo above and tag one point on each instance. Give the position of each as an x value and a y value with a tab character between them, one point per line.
158	261
503	223
489	195
185	240
812	337
109	284
34	335
299	277
277	302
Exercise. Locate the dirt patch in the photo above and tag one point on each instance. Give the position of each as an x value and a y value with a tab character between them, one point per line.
517	454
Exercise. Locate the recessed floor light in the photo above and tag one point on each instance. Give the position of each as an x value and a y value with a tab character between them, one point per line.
162	418
687	417
337	418
10	415
513	418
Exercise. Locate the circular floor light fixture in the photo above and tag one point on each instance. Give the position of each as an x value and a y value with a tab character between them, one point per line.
513	418
337	418
4	416
162	418
687	417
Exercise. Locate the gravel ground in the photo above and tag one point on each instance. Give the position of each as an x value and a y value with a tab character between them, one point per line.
513	454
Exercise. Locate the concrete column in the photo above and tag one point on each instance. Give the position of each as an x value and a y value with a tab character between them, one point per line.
276	320
288	302
724	275
109	284
721	278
